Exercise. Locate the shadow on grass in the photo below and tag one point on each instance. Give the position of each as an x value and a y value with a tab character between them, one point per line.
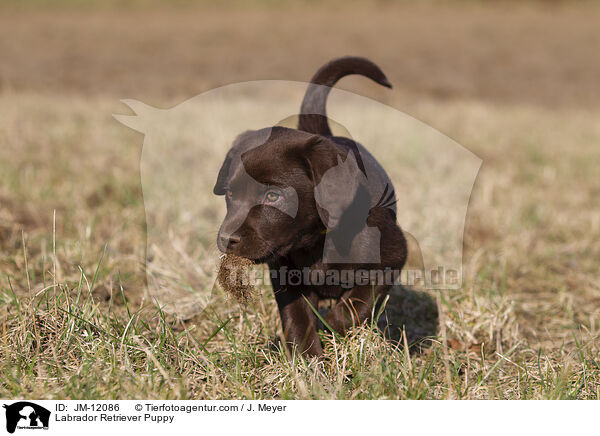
413	311
409	310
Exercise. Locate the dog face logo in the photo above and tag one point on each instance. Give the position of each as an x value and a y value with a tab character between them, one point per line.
26	415
345	197
184	148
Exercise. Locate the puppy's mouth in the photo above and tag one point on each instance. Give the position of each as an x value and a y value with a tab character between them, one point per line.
256	260
263	256
270	256
264	259
258	249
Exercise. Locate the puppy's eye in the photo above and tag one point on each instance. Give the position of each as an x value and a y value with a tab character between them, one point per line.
272	197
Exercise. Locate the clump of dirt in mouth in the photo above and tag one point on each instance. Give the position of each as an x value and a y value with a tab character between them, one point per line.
234	277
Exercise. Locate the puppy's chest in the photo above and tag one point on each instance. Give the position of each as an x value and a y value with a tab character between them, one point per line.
325	280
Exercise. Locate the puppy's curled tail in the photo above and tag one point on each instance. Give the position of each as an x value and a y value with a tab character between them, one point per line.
313	118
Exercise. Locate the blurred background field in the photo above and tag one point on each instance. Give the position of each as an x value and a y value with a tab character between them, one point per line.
516	83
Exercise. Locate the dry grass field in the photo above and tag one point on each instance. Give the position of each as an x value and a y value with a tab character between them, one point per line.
516	84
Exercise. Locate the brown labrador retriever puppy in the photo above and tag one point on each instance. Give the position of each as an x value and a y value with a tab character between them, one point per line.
319	209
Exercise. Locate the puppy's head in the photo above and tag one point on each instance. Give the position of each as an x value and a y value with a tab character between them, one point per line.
268	179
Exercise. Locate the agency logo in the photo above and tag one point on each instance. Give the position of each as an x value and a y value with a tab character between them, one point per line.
26	415
406	168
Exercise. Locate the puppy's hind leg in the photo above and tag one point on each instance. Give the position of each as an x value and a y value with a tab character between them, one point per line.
355	307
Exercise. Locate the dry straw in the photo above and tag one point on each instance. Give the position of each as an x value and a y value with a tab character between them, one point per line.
234	277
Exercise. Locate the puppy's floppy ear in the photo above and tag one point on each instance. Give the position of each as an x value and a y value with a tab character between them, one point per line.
223	177
337	177
244	142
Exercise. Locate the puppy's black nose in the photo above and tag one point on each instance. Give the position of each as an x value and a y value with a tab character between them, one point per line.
229	241
234	239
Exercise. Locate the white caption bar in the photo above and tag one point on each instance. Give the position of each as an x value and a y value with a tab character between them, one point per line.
23	417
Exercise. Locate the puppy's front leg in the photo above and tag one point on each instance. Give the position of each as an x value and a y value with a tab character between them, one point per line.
298	321
355	307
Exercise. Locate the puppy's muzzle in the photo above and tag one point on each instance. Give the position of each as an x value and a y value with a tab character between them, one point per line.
228	242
